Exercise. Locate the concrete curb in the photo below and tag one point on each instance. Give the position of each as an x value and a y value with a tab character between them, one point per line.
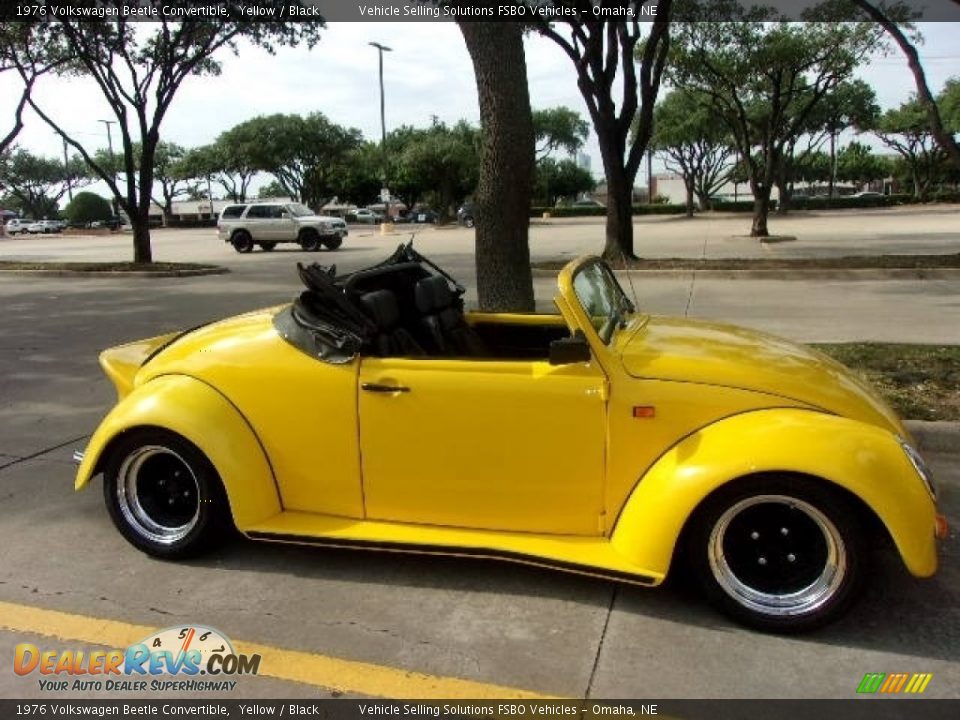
191	272
940	437
790	274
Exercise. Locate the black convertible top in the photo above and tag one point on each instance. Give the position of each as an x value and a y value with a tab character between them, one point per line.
329	320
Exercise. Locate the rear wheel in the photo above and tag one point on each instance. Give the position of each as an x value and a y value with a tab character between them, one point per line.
267	246
309	240
164	495
332	242
242	242
778	553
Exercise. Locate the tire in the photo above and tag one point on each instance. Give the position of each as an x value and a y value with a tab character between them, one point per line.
164	495
267	246
333	242
309	240
242	242
468	222
778	553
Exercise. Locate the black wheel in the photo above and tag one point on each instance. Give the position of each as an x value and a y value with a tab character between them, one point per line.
332	242
267	246
242	242
164	496
468	221
309	240
778	553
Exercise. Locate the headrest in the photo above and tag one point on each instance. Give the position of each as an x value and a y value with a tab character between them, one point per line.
381	306
433	294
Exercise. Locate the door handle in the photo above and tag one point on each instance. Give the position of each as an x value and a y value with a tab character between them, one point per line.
378	388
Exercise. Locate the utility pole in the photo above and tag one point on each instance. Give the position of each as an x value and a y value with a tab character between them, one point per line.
108	123
387	225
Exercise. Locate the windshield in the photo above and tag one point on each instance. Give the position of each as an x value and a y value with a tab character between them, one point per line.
602	299
298	210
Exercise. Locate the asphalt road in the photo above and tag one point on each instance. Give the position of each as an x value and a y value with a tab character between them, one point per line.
488	622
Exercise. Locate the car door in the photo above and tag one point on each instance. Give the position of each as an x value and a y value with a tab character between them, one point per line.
499	445
257	222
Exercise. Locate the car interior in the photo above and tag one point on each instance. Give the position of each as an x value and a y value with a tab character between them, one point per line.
408	307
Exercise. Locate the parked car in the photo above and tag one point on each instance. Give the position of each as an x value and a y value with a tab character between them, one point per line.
17	225
113	223
372	412
365	215
422	216
268	223
44	226
466	215
867	194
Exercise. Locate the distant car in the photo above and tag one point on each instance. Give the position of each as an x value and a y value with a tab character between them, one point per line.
867	194
17	225
113	223
422	216
365	215
466	215
583	203
44	226
268	223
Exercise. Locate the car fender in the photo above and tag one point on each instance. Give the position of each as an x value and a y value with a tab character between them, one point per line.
864	459
201	414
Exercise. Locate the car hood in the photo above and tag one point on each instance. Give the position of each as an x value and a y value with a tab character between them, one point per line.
709	353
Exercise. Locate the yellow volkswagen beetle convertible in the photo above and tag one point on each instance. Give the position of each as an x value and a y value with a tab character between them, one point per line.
372	412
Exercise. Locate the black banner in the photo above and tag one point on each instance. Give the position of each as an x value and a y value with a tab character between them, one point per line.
330	709
440	10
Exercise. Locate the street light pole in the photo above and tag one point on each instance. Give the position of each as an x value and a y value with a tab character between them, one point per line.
383	139
108	123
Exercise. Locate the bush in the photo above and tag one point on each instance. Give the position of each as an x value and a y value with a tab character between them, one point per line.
594	211
87	207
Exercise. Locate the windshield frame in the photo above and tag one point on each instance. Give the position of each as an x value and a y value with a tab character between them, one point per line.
299	210
617	304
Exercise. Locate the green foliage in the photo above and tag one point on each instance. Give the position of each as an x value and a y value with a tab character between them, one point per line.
87	207
558	128
595	211
564	179
37	182
858	164
906	130
949	103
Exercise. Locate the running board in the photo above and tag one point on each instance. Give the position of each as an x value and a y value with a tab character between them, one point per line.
592	556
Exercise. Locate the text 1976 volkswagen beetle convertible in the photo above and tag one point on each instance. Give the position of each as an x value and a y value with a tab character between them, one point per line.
372	412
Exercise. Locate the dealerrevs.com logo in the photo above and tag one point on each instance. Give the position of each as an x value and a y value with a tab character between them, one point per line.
894	683
170	660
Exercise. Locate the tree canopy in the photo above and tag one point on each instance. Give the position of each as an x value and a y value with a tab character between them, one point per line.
558	128
36	184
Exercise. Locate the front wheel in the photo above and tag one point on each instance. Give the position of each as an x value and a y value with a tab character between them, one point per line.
333	242
309	240
779	554
164	495
242	242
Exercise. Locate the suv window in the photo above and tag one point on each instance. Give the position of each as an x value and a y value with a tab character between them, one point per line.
264	211
233	211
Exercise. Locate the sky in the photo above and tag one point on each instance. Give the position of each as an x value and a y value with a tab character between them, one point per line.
428	73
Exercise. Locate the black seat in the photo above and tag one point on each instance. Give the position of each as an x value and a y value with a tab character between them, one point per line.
444	329
391	340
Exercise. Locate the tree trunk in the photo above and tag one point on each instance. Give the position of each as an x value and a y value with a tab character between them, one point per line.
786	196
761	209
140	222
689	199
504	278
619	239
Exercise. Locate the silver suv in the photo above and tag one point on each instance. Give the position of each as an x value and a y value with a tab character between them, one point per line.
268	223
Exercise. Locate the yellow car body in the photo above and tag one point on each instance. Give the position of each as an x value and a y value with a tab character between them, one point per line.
593	466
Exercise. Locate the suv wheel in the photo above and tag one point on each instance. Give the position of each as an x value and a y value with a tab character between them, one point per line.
309	240
333	242
242	242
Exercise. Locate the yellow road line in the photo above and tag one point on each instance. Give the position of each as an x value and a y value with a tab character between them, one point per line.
347	676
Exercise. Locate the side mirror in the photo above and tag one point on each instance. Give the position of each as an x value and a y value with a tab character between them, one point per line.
567	351
284	214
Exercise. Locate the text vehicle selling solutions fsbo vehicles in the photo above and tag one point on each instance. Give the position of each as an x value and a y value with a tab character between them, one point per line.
372	412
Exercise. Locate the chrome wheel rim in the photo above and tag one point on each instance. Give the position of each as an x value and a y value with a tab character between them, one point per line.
158	494
777	555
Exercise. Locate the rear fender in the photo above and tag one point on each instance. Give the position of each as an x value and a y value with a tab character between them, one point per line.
200	414
864	459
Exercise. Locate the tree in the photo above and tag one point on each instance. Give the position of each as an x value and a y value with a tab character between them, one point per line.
504	278
888	21
87	207
171	176
563	179
307	155
272	189
907	131
558	128
602	51
949	103
693	145
858	164
31	50
37	183
440	160
764	79
139	68
225	164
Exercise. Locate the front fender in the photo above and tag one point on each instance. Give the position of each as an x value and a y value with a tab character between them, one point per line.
865	459
199	413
